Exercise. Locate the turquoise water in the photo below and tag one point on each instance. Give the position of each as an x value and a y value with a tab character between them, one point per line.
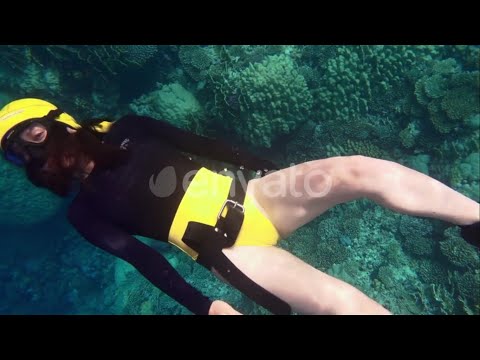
416	105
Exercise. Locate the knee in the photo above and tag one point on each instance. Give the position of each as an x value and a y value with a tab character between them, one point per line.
349	300
343	301
368	175
353	174
334	298
360	167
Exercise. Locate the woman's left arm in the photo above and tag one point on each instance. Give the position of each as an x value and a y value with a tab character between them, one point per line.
216	149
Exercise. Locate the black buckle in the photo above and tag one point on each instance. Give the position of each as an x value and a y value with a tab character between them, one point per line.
235	206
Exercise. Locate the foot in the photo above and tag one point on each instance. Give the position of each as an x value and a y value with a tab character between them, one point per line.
471	233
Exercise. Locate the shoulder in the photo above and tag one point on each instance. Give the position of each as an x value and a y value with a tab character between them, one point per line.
122	129
130	128
126	122
133	122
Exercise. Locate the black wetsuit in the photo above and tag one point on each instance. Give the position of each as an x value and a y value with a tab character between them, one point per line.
119	203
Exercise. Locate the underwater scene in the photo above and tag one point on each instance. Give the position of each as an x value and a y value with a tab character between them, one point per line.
415	105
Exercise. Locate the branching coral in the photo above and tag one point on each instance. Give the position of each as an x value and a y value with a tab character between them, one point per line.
330	229
431	272
386	275
412	226
196	60
265	100
351	147
421	246
351	227
457	251
443	299
173	103
34	80
469	286
358	74
240	56
450	95
467	55
416	235
104	60
330	252
138	55
409	135
420	163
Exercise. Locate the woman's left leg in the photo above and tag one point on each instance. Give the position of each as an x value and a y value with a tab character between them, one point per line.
294	196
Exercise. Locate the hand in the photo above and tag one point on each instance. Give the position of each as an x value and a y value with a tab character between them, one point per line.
260	173
268	165
258	165
266	169
219	307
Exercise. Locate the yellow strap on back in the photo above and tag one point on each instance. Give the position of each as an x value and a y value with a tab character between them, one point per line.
202	201
103	127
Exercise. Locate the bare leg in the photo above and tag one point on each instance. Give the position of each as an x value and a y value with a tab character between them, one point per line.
306	289
410	192
294	196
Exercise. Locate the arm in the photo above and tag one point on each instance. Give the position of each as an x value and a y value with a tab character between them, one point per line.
190	142
146	260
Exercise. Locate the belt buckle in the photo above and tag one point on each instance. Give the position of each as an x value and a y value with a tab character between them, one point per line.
235	205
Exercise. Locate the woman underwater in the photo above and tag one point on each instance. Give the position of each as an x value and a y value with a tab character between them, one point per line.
133	177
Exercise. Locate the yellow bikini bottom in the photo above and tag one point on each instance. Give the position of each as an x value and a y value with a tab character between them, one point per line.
202	202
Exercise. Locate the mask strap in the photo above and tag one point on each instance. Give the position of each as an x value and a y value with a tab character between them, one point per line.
52	114
14	159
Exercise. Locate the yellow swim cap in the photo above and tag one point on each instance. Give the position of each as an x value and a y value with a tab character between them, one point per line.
22	110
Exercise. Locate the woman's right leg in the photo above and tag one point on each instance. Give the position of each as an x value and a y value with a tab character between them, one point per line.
306	289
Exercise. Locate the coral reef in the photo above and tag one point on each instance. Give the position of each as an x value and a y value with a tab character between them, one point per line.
20	202
196	60
464	175
457	251
409	135
264	100
450	95
417	105
469	286
172	103
358	74
431	272
350	147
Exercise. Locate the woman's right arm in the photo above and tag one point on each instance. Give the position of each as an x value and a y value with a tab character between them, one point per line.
145	259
